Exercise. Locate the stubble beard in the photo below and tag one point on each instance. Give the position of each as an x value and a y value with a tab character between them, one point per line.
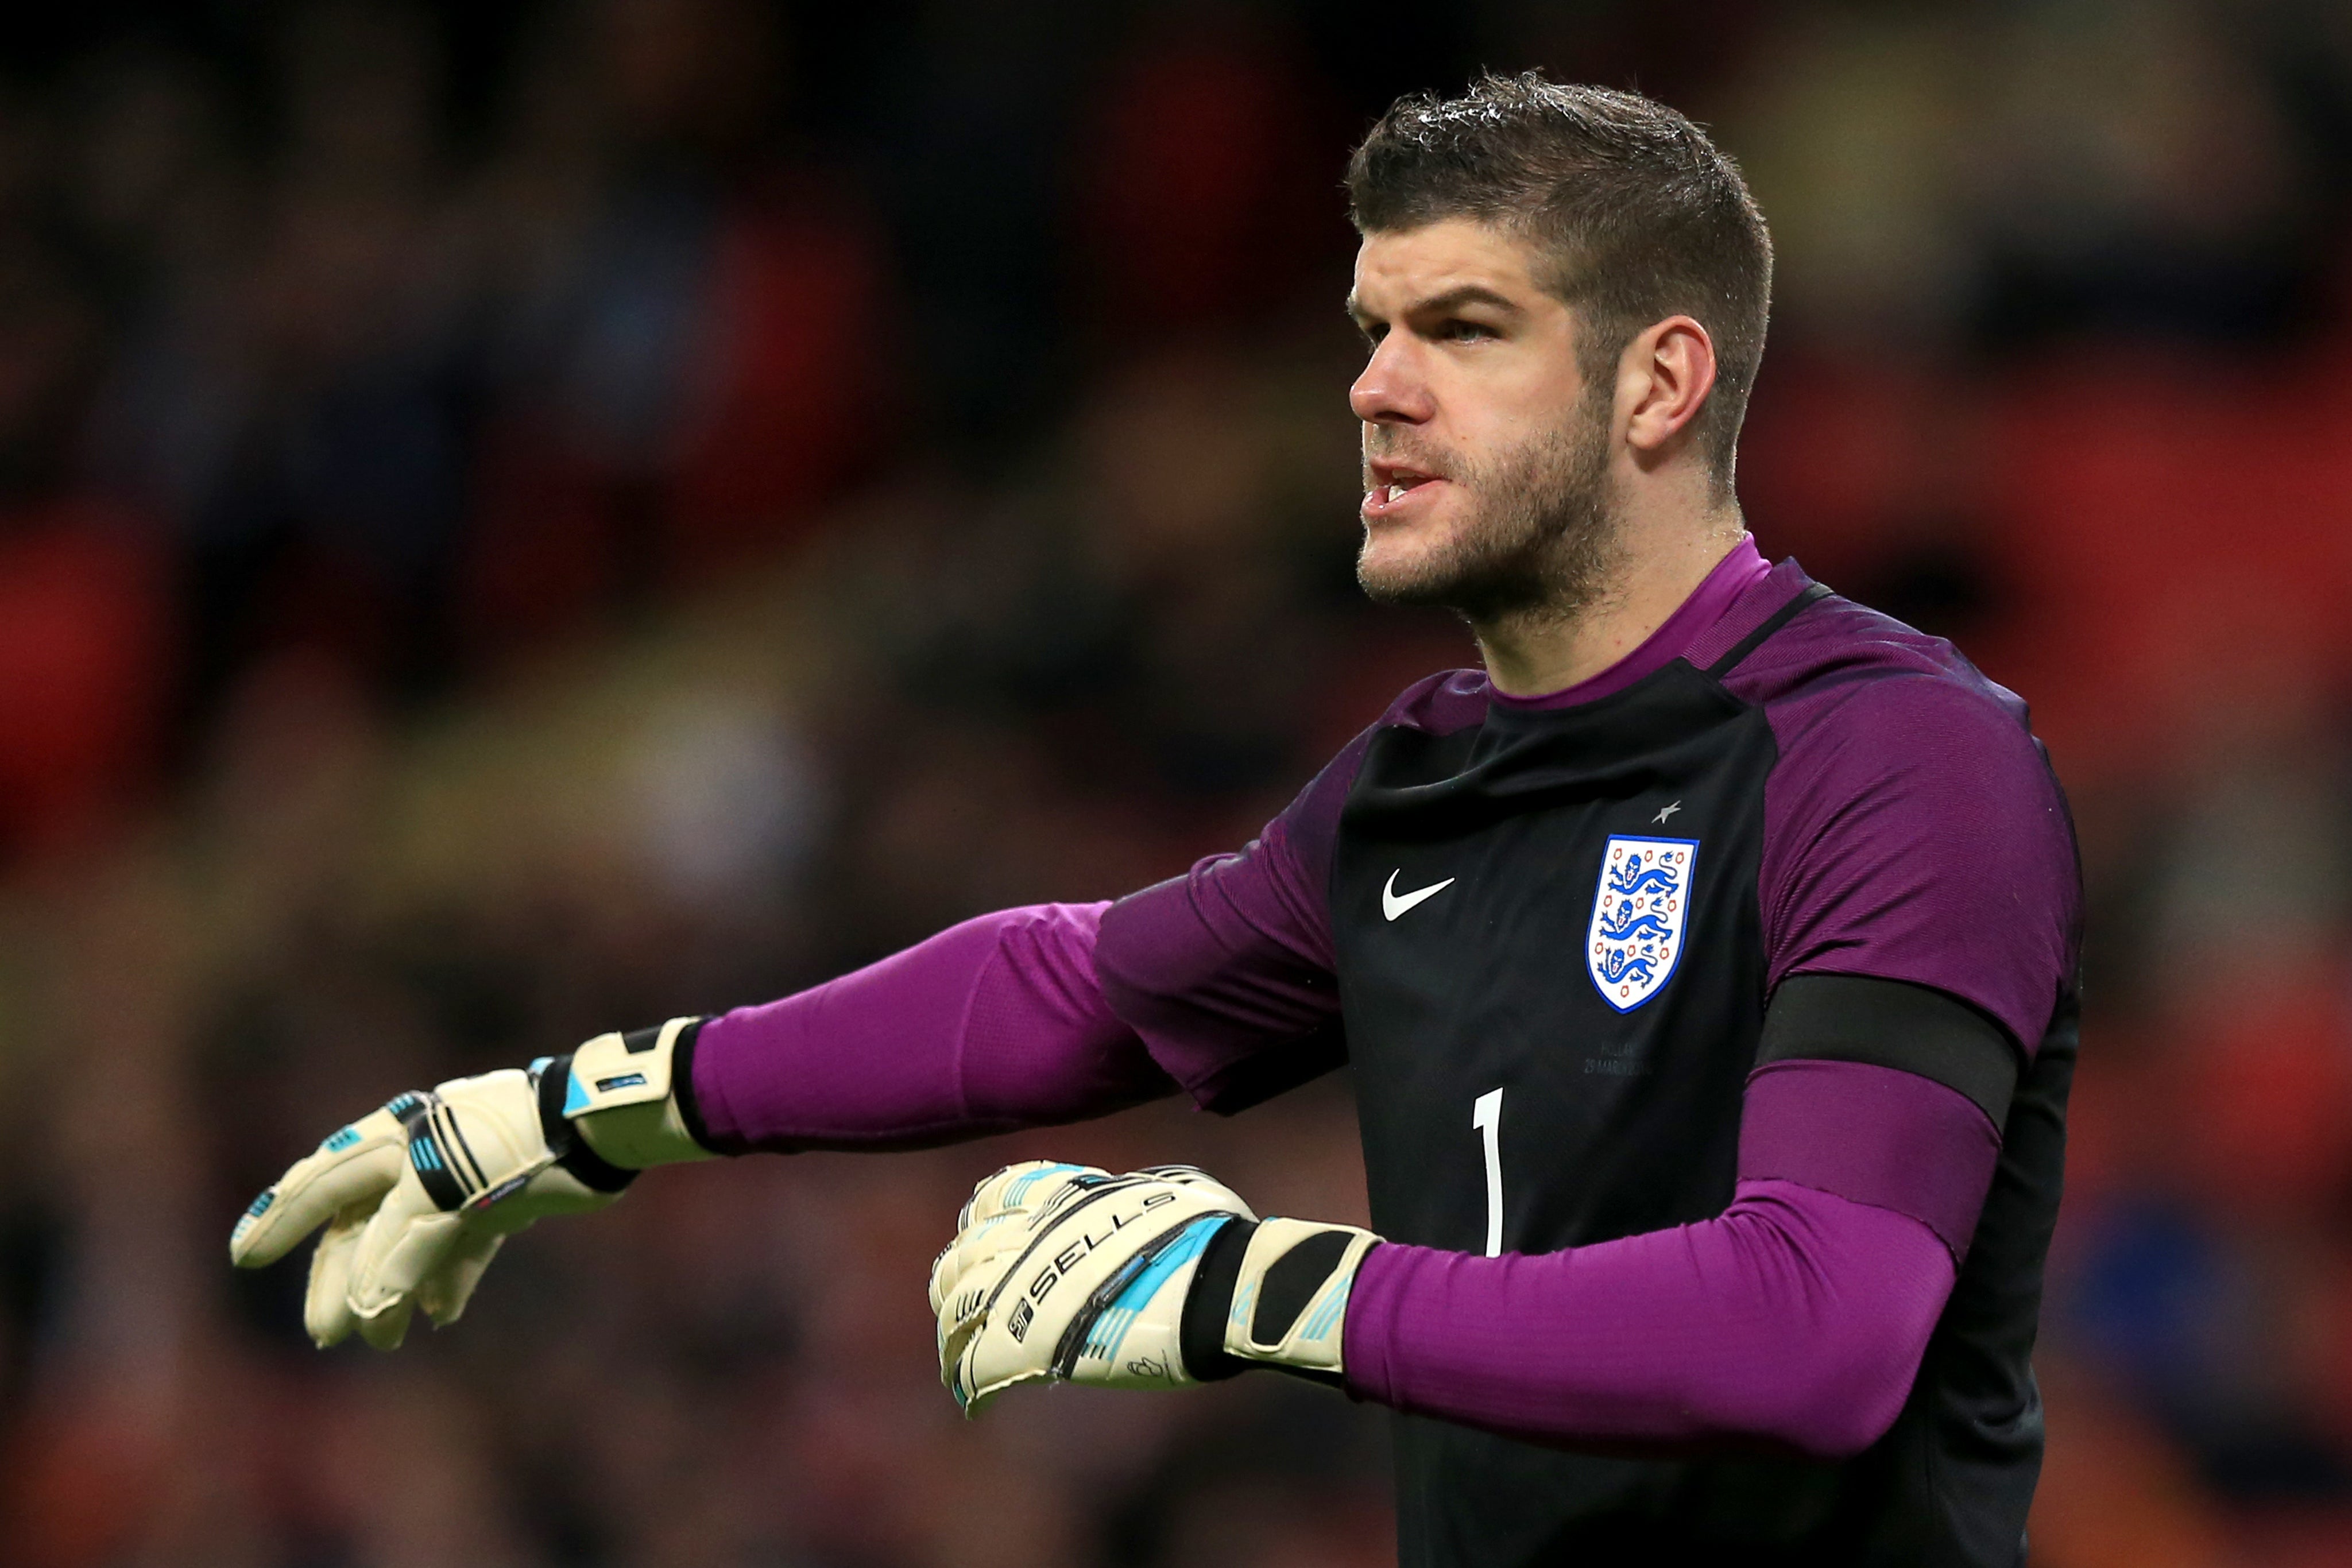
1541	546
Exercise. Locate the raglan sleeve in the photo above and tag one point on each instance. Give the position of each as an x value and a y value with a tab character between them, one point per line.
1921	903
1915	834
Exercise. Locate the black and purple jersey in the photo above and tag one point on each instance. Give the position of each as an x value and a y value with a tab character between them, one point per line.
1710	1025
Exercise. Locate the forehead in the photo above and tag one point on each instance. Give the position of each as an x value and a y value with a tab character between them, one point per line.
1396	268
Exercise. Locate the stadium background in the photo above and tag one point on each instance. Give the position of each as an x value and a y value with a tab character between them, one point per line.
519	519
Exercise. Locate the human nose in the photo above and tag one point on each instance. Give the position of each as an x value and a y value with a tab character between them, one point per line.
1392	389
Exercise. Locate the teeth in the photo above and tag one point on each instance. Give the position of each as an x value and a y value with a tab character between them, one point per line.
1395	492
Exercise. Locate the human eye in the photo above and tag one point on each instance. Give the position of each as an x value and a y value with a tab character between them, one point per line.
1455	329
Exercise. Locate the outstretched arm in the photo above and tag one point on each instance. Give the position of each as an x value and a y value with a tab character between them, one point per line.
992	1025
1010	1021
1218	981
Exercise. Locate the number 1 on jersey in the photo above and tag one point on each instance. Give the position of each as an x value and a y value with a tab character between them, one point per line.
1486	1115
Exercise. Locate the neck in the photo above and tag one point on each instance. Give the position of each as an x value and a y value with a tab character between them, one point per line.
1551	648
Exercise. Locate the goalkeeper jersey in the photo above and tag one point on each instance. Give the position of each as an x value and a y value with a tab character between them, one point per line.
1546	934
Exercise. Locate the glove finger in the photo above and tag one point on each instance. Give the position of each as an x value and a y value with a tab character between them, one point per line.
1019	1188
389	1327
326	1314
445	1292
972	1245
407	1238
943	1273
959	1294
955	1374
951	1379
994	1229
1201	1181
963	1381
356	1164
956	1333
968	1269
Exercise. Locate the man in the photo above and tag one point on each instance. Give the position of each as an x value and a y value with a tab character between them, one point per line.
1705	965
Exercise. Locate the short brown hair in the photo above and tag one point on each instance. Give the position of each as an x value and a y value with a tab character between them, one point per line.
1642	216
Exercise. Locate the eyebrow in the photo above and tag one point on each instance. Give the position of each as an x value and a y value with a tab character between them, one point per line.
1440	304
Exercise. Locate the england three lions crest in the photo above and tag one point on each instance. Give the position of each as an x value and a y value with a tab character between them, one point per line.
1640	911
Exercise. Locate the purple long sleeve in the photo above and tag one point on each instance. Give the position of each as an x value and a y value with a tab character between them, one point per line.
1796	1318
992	1025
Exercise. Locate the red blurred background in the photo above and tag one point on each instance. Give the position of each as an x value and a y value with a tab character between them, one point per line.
518	519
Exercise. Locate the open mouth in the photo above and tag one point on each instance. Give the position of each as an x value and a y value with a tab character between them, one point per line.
1393	487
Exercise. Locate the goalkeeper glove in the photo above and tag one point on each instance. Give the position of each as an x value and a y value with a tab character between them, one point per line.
417	1196
1159	1279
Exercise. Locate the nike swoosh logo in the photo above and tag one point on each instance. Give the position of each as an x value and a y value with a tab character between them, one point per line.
1393	906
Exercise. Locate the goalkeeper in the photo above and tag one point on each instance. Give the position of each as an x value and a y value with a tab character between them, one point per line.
1705	961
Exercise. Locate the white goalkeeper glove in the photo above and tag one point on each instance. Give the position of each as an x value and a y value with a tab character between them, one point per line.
417	1196
1159	1279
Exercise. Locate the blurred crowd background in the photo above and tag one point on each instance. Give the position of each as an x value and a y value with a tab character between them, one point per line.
519	519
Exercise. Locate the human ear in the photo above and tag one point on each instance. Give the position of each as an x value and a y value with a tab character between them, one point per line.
1662	381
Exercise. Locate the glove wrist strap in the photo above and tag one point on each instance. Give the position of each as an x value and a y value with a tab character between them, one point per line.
1201	1339
619	1093
572	1151
1289	1308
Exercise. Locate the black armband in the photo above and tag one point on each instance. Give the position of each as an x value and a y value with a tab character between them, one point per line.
1894	1023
